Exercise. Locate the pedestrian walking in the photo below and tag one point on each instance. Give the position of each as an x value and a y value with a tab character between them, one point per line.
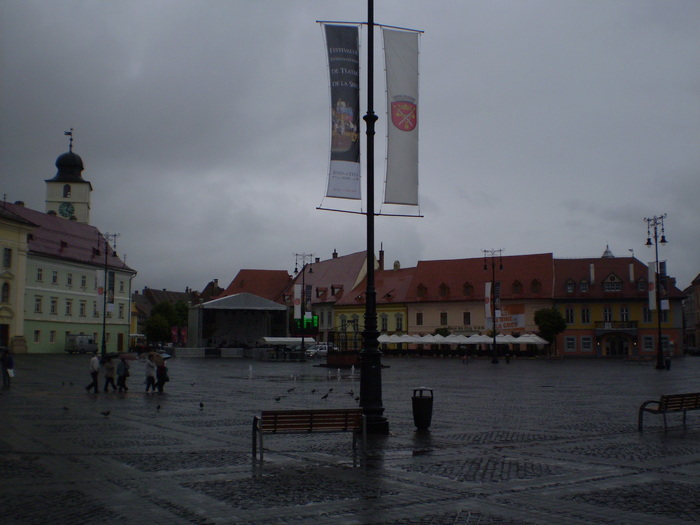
109	375
8	367
122	374
94	372
150	374
162	375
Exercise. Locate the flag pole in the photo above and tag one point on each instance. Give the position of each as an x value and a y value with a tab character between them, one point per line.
370	356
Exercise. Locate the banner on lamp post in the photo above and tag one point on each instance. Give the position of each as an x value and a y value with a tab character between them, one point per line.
651	285
342	44
297	301
401	58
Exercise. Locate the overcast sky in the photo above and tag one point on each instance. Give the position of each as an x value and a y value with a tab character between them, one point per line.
545	126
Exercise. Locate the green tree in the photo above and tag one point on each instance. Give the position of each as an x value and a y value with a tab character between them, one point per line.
167	311
550	323
157	329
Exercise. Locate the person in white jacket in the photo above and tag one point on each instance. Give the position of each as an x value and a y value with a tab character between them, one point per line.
150	374
94	372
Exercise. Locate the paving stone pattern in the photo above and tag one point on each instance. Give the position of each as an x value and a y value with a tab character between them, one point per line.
530	442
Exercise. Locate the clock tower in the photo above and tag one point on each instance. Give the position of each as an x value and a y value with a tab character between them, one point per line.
68	194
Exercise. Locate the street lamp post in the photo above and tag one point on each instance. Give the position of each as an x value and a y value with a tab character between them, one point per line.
654	223
493	254
303	257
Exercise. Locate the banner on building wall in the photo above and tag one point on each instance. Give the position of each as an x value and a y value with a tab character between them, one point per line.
651	285
401	59
297	301
342	44
510	317
487	300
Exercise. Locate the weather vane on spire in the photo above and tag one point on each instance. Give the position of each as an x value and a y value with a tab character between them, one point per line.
70	144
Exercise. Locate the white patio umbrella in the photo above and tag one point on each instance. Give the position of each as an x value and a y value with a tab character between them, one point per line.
531	339
477	339
384	338
427	339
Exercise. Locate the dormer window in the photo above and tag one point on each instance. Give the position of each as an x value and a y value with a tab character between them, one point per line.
421	291
444	290
612	284
535	286
570	286
583	286
467	289
641	285
517	287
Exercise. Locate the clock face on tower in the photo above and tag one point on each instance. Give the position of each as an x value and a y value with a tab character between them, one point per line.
66	210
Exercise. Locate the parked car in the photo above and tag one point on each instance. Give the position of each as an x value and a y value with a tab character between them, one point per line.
319	350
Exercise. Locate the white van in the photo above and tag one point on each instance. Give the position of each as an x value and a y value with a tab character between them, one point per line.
80	343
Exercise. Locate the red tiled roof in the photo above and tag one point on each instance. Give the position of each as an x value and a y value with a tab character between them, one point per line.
628	270
391	286
268	284
447	280
64	239
331	279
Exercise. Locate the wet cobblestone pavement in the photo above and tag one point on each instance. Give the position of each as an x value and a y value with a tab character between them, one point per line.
530	442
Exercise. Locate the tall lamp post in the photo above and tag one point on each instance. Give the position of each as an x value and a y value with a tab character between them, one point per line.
303	257
107	237
653	223
493	254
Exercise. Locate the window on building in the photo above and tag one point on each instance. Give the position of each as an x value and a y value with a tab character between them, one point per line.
54	277
583	286
66	191
121	287
586	344
52	336
7	257
38	300
69	307
53	306
624	313
468	289
535	286
585	315
648	343
83	281
443	318
399	323
39	274
569	315
607	314
444	290
95	312
83	308
37	336
421	291
646	314
641	285
419	318
517	287
343	323
5	294
69	279
664	316
355	320
615	286
570	286
384	322
569	344
121	311
466	318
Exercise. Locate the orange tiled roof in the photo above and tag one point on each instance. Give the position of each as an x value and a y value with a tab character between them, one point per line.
268	284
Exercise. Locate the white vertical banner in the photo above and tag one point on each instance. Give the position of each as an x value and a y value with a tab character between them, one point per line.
401	58
297	301
651	285
487	300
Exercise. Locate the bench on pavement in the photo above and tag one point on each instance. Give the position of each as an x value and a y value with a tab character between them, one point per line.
307	422
668	404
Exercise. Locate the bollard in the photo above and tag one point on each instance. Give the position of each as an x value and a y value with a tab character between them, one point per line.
422	407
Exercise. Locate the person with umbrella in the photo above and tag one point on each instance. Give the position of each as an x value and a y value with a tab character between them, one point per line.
122	374
109	374
150	373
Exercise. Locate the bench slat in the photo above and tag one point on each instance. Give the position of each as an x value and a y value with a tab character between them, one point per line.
670	403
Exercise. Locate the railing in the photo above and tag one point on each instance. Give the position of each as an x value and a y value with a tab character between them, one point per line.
615	325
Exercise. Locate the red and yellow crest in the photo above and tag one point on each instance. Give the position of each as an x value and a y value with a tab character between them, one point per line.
404	115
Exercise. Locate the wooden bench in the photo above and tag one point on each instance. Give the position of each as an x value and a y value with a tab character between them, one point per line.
309	421
668	404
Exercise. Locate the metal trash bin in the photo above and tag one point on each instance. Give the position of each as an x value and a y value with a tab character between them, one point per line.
422	407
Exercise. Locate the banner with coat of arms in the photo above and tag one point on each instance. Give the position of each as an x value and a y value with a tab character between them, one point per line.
401	58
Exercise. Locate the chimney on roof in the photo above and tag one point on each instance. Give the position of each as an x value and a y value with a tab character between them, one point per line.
632	272
19	203
335	253
592	273
381	258
318	259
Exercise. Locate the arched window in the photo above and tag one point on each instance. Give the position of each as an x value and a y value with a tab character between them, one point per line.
517	287
66	191
5	293
535	286
570	286
444	290
467	289
421	291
